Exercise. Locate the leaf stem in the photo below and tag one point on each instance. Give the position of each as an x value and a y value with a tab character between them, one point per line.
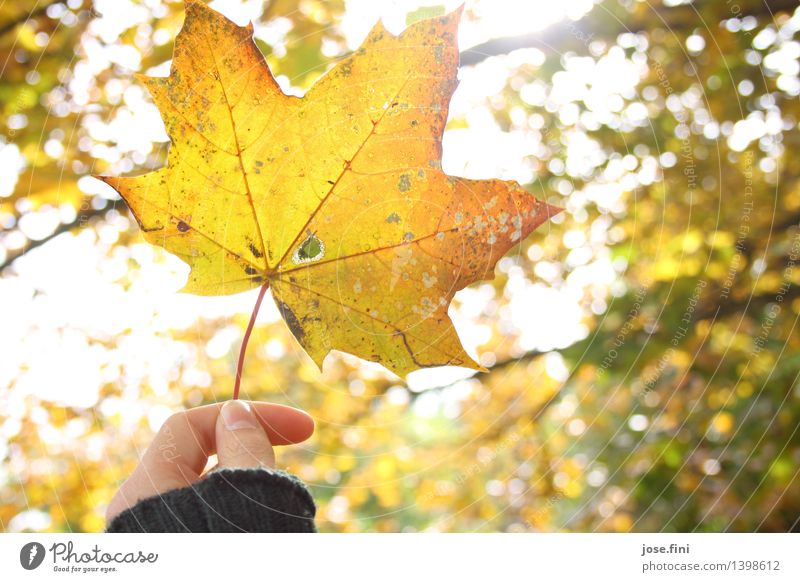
246	338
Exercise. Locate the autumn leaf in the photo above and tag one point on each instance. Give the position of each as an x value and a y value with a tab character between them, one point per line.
335	201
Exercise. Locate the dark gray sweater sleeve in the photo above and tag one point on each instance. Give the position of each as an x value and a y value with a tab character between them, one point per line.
228	500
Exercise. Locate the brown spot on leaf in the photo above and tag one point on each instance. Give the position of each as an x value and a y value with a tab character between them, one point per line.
256	253
404	185
291	320
182	226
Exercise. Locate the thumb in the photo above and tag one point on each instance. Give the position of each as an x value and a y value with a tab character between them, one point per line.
241	440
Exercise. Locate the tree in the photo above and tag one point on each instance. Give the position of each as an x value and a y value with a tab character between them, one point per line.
666	131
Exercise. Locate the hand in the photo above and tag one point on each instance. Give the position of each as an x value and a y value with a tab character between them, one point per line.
240	433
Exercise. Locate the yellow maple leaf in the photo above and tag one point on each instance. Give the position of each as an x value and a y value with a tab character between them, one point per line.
337	200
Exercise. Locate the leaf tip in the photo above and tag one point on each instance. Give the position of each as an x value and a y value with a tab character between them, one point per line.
376	34
317	356
453	18
552	210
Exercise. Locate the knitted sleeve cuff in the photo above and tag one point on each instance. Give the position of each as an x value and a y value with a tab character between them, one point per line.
228	500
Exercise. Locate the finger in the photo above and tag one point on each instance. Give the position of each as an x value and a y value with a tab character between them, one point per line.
284	425
242	442
188	438
180	450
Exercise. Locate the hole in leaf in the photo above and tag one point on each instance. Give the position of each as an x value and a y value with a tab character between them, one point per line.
310	250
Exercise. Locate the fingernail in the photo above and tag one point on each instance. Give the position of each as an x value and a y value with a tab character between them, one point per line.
238	415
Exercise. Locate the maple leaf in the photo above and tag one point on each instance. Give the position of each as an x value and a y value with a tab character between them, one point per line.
337	200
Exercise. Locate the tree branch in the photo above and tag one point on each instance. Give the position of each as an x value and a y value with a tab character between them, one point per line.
503	46
477	376
23	18
80	220
675	18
